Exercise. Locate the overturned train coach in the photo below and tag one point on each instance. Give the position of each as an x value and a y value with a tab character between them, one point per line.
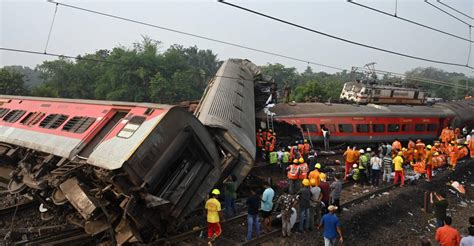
352	123
132	170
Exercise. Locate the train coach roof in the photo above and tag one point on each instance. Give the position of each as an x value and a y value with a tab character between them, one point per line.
86	101
322	109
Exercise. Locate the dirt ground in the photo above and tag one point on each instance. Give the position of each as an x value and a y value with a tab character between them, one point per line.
396	217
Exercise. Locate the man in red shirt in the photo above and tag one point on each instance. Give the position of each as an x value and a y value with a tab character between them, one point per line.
447	235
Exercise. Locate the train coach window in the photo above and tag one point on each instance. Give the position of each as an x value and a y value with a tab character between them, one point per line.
347	128
406	127
420	127
78	124
3	111
432	127
32	118
362	127
330	127
309	127
131	127
393	127
378	127
14	115
53	121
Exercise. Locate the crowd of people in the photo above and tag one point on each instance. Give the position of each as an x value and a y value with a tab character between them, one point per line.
311	198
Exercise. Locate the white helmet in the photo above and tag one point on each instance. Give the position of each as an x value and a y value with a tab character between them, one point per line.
361	151
369	149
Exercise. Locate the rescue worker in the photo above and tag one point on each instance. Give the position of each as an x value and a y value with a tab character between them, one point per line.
350	158
444	135
363	165
292	175
314	175
410	149
301	148
303	169
306	149
396	146
470	144
269	134
315	204
214	216
312	159
285	159
453	154
354	174
450	134
420	150
272	140
463	151
429	162
273	159
368	171
304	195
259	141
325	190
457	133
398	166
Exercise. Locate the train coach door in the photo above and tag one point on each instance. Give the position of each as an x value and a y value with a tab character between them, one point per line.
110	120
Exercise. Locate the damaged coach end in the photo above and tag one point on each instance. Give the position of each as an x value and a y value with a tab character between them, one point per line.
129	170
227	108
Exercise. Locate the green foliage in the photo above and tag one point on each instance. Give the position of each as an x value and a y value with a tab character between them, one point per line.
140	74
11	83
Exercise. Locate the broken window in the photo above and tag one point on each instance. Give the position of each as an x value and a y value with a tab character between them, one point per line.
131	127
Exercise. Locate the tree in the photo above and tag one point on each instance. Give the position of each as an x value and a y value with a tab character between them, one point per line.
11	83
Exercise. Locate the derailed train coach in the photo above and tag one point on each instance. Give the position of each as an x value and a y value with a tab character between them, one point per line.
132	170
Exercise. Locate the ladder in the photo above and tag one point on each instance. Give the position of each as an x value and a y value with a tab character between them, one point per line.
270	121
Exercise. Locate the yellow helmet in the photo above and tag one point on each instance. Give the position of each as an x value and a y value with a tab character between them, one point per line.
429	146
216	192
312	182
301	160
322	177
305	141
295	161
436	154
306	182
404	149
318	166
400	153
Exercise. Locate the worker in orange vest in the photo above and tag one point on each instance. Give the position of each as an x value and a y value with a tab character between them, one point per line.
450	134
272	141
301	148
420	150
303	169
444	137
457	133
293	175
307	149
350	158
259	141
429	162
463	151
315	174
269	134
410	149
264	135
453	154
396	146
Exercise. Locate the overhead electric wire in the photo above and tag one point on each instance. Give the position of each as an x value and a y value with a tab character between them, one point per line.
198	36
455	10
51	28
446	12
344	39
410	21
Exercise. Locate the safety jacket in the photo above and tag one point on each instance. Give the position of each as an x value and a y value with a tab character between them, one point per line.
307	148
293	172
303	170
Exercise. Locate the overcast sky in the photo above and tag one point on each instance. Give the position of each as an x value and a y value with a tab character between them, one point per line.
24	24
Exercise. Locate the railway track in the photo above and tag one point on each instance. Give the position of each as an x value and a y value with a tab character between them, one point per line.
75	236
18	207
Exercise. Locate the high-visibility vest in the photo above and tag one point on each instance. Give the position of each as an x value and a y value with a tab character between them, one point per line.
303	171
307	148
301	148
273	157
259	140
293	172
286	157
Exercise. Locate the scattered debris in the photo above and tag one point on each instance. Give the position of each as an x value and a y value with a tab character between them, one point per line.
410	214
385	193
459	187
372	196
365	191
463	204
